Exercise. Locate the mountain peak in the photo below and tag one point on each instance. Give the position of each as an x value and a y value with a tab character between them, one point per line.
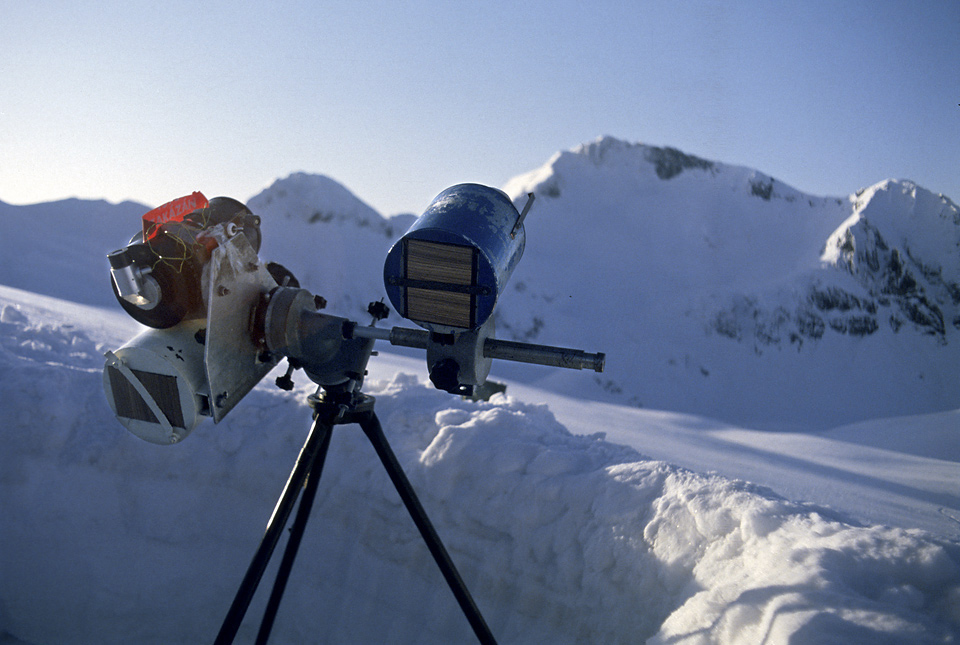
667	162
606	147
621	165
313	198
326	236
909	216
902	245
725	260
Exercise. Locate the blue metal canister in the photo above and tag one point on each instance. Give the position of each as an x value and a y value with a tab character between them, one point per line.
449	268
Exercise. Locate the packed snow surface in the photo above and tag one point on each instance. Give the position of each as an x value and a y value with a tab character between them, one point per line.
561	537
573	514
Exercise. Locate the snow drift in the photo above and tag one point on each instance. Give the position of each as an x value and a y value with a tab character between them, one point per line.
562	538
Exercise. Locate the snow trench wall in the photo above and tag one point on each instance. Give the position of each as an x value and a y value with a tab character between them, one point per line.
561	538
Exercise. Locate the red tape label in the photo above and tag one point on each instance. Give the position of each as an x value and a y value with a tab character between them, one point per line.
173	211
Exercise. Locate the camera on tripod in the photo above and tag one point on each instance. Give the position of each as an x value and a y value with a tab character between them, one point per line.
220	319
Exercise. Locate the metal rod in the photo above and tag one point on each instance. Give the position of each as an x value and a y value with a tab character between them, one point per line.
507	350
415	338
293	542
374	431
398	336
318	436
523	214
543	355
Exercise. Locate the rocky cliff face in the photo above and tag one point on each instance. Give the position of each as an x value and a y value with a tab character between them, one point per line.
902	246
893	264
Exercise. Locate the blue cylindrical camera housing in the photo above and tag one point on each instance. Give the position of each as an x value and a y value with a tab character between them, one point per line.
449	268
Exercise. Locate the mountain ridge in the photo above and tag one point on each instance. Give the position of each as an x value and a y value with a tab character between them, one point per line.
714	289
721	277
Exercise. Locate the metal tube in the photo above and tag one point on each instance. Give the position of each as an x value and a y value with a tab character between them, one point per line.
506	350
543	355
403	337
376	333
399	336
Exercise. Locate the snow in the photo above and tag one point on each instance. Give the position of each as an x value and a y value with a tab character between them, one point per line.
926	435
714	300
572	514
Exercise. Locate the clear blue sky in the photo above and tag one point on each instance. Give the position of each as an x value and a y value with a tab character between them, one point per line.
397	100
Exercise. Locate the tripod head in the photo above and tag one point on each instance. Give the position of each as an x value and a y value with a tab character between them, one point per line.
219	319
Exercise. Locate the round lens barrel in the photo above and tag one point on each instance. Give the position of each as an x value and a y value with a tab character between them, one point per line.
449	268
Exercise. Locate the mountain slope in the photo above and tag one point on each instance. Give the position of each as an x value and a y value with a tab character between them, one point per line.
710	290
713	289
902	245
694	276
332	241
68	239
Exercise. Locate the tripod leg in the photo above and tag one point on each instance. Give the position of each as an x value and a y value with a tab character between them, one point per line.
374	431
293	542
319	436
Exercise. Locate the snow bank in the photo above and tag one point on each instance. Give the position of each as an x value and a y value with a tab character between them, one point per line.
561	538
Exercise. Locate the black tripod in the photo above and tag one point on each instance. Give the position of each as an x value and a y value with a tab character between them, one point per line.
330	410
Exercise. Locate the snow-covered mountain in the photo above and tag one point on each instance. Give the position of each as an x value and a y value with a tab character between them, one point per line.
713	289
643	504
721	291
332	241
902	245
58	248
